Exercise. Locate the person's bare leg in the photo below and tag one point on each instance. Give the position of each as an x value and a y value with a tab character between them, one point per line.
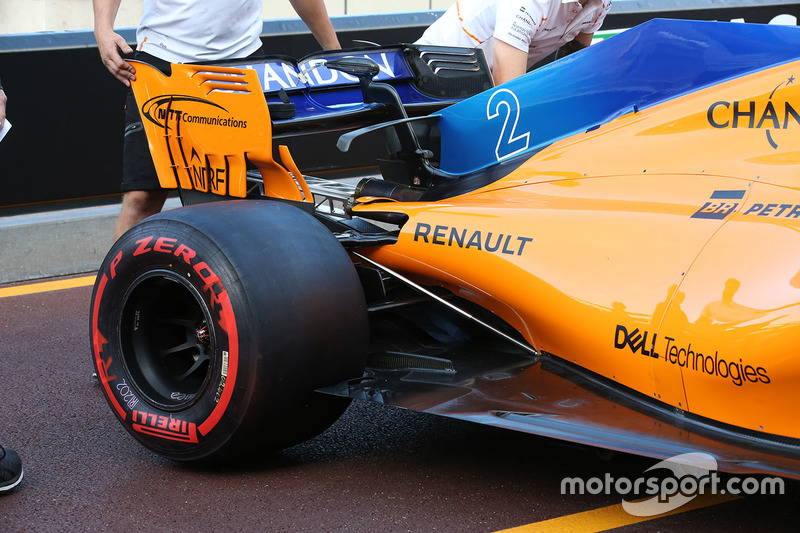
136	206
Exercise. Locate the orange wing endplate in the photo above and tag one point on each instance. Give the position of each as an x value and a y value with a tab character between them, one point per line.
204	123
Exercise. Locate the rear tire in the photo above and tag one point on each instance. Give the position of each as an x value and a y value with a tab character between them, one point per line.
213	324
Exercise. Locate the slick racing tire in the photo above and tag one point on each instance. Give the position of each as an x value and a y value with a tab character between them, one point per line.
212	325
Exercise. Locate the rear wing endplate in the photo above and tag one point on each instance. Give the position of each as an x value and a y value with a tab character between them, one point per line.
204	123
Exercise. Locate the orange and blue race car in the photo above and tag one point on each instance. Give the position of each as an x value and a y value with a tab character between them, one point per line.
605	251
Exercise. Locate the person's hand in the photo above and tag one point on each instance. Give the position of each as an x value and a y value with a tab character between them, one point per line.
3	101
111	44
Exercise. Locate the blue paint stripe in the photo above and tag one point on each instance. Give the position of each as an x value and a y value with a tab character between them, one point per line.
727	195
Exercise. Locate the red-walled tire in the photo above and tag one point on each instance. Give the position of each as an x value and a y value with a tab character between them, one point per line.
211	326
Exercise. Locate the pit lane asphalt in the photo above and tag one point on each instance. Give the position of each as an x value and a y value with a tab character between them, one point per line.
377	469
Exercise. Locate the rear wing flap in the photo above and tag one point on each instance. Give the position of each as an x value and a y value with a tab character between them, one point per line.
427	78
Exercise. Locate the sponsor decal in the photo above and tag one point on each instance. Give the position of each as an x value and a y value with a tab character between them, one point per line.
775	114
488	241
163	109
686	357
720	205
166	113
312	73
774	210
164	427
519	33
636	340
525	18
724	203
204	176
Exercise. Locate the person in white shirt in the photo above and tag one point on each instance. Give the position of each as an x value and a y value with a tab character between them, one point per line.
516	34
3	100
181	31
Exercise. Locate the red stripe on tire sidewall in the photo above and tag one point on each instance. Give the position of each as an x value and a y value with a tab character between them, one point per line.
97	348
229	320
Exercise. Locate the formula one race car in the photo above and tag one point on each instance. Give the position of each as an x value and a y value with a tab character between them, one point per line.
599	251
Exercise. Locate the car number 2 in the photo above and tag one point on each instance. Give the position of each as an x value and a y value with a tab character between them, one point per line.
504	104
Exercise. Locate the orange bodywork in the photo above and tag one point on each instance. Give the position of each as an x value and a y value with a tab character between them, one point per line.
594	250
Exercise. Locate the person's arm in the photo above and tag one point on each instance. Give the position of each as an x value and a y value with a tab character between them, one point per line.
581	41
584	39
509	62
3	101
110	43
315	15
514	30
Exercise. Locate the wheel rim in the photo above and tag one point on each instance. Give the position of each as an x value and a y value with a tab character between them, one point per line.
167	339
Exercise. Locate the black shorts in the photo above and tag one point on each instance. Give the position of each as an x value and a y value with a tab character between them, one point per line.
138	170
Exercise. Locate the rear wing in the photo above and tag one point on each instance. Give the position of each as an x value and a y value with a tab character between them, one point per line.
207	122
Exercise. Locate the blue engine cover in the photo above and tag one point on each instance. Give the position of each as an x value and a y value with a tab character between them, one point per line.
651	63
